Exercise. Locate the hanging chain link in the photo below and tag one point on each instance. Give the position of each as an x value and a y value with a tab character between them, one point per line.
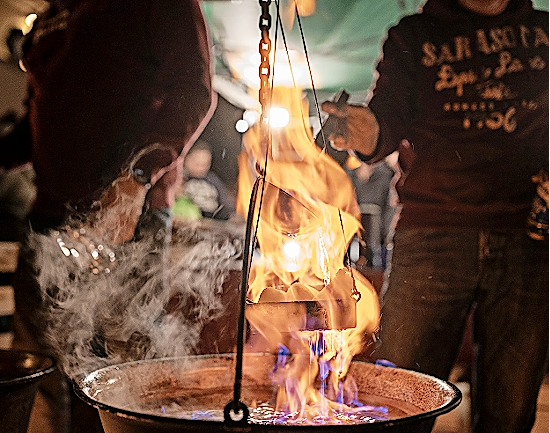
236	406
265	49
265	75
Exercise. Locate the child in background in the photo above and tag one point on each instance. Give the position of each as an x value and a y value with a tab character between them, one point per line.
202	189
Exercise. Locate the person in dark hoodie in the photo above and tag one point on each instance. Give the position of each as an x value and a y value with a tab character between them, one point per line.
465	82
118	93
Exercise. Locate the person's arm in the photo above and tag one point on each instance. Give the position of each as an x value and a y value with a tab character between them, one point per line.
376	131
184	104
119	207
184	98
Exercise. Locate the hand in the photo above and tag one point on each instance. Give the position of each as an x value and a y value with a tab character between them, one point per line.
362	129
119	209
166	182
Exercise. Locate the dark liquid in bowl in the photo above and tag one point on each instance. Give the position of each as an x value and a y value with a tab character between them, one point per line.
209	407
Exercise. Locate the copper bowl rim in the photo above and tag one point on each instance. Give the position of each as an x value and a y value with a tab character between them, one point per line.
79	384
47	366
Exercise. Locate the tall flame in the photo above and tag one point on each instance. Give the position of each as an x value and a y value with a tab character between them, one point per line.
308	215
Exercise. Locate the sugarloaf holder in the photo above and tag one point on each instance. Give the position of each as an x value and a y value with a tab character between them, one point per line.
303	315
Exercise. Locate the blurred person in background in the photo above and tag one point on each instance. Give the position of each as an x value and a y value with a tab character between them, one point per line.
465	82
374	187
118	92
203	187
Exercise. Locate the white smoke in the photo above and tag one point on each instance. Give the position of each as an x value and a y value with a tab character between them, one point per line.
106	304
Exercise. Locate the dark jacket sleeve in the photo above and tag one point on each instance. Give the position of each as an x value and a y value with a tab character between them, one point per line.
185	99
394	94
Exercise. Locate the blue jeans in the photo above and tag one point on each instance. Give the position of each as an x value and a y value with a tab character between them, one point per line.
437	277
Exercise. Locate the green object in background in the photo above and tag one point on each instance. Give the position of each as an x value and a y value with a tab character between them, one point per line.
185	208
344	38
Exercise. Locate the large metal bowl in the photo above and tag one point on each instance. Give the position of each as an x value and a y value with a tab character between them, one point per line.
132	397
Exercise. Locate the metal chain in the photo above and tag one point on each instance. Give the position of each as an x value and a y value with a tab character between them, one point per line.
265	50
236	406
265	75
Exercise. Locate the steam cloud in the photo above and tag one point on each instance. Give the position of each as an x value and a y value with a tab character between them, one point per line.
106	304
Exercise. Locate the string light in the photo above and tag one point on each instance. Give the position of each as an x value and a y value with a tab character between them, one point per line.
242	126
278	117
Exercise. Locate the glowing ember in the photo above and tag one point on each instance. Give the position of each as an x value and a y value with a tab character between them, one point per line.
303	300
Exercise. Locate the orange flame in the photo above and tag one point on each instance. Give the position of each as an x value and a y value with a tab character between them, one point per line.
308	216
